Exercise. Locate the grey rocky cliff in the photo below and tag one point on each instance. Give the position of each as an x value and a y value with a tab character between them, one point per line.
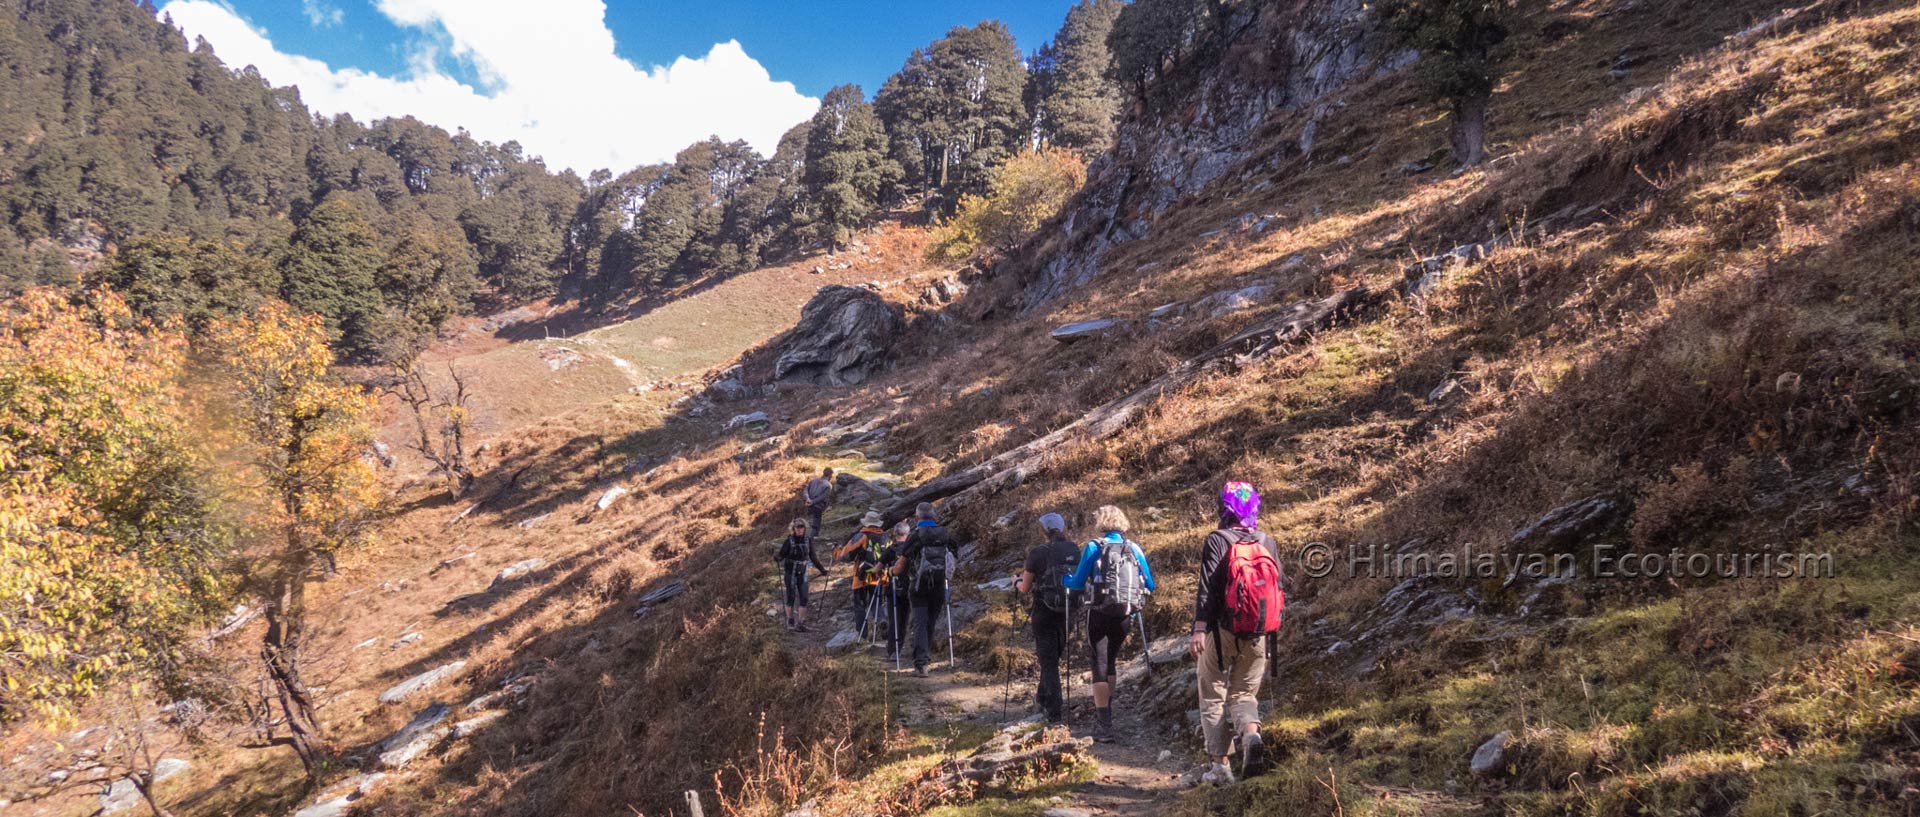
1279	57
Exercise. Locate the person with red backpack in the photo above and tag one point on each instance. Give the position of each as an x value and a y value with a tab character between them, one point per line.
1238	608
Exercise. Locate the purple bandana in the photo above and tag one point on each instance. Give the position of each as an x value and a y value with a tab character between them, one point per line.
1242	502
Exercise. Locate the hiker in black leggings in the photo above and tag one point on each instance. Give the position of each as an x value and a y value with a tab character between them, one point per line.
1107	621
796	551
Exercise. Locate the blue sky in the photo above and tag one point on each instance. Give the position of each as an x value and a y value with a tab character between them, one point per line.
582	82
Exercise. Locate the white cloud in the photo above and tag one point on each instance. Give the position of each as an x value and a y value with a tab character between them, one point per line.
321	14
553	81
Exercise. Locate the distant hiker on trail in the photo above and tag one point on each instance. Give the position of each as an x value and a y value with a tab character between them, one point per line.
1045	576
818	495
795	553
866	549
1237	609
1113	571
924	562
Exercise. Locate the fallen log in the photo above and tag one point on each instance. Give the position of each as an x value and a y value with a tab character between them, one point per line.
1011	468
1018	753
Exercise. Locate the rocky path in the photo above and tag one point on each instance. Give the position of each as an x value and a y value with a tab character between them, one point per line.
1138	774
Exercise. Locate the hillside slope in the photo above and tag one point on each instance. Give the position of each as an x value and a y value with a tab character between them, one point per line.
1681	319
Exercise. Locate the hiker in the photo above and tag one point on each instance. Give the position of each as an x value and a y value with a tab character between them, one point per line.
1045	576
924	562
818	495
898	603
1120	580
795	552
1238	607
865	549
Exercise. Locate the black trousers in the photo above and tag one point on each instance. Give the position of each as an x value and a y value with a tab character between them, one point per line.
1049	642
897	608
795	575
928	603
1105	634
814	512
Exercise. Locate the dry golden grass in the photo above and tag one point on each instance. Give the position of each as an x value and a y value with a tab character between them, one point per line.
1706	308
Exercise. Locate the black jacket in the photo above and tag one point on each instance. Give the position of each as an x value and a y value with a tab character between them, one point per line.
1211	602
797	549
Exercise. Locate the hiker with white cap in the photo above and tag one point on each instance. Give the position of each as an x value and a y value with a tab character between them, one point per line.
1045	574
866	549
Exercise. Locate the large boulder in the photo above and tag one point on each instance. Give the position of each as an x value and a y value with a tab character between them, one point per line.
842	337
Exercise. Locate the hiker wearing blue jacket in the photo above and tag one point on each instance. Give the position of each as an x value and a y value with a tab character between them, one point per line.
1114	575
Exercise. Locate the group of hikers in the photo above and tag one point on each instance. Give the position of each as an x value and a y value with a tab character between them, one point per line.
901	579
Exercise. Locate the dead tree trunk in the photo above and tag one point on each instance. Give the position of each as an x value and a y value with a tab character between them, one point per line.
1013	467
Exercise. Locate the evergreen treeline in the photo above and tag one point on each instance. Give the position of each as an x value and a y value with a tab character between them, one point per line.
131	159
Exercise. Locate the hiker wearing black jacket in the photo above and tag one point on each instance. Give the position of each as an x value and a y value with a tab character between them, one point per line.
926	578
897	596
1231	666
795	552
1044	575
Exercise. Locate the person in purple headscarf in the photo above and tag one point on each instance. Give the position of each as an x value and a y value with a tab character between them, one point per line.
1231	665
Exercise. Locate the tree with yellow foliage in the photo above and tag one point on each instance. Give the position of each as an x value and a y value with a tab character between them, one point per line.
109	549
1024	192
308	439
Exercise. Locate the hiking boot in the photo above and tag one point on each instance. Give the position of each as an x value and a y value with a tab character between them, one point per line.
1103	725
919	672
1217	773
801	628
1253	755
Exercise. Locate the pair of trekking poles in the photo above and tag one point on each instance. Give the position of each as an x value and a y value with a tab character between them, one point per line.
893	620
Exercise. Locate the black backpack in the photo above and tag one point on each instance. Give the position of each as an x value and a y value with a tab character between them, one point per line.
1051	587
791	551
930	570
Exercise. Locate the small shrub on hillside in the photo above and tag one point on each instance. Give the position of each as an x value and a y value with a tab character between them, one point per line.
1026	191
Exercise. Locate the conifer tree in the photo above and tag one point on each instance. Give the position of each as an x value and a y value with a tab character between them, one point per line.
1071	92
846	163
955	110
330	270
1458	66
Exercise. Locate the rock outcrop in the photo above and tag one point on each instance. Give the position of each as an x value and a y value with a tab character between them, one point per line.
1279	57
842	337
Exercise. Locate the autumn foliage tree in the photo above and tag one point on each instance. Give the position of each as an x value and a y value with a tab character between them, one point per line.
1023	193
109	548
307	439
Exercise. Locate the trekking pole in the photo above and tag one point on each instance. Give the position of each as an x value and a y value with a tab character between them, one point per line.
1066	640
893	620
947	602
1006	691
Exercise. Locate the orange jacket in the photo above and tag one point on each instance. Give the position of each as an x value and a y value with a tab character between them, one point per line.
873	575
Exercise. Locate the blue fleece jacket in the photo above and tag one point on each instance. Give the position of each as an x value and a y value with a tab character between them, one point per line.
1090	561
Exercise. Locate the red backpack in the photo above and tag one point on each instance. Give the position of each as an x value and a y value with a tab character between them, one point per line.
1254	598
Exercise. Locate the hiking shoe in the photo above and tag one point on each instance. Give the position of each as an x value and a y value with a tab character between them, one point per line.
1217	773
919	672
1253	755
1103	726
801	628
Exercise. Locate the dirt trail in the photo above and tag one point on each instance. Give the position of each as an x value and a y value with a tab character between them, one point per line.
1131	780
